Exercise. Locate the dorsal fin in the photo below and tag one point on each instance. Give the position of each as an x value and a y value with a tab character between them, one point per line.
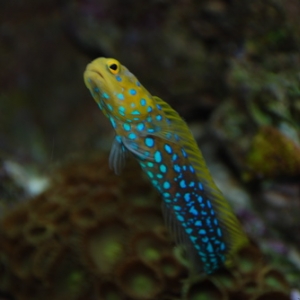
236	238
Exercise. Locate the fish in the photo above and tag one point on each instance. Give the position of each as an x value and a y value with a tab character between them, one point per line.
195	211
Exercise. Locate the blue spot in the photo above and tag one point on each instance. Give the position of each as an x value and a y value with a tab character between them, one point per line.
193	211
177	207
119	139
174	157
188	230
191	184
157	156
212	212
182	183
166	195
113	122
158	106
203	254
200	199
183	152
136	119
187	197
208	204
205	239
200	186
192	169
198	223
132	105
132	136
190	203
149	142
163	168
177	168
209	248
168	135
118	78
177	195
194	239
140	126
135	112
159	176
109	107
122	110
222	247
158	117
120	96
149	119
166	185
219	232
176	137
216	222
208	222
138	84
126	127
143	102
96	90
202	231
149	109
184	168
132	92
105	96
150	130
146	154
155	182
197	247
180	218
150	164
203	212
150	174
168	148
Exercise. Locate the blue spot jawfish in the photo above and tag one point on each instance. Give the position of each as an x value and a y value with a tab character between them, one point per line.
194	208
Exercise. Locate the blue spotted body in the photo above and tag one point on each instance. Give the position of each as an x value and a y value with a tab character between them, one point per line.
146	126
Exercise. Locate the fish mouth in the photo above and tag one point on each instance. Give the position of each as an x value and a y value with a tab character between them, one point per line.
91	71
97	72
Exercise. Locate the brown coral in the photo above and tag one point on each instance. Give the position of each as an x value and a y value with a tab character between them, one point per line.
94	235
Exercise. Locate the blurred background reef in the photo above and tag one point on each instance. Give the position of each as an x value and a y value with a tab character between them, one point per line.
230	68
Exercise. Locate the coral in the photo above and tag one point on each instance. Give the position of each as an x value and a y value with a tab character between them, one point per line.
268	160
140	280
94	235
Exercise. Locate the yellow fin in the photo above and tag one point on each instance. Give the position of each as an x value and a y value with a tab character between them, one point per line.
235	237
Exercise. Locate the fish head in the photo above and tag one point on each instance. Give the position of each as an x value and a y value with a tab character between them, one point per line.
117	91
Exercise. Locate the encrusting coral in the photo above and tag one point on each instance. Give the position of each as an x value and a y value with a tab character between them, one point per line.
95	235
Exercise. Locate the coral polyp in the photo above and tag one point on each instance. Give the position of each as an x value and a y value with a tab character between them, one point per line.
104	245
139	280
94	235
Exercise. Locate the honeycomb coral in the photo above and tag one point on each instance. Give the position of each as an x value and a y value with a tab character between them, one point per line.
95	235
140	280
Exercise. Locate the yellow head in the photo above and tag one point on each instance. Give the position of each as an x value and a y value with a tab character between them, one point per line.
117	91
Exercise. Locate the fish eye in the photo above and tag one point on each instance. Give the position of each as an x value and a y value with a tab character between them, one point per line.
113	66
